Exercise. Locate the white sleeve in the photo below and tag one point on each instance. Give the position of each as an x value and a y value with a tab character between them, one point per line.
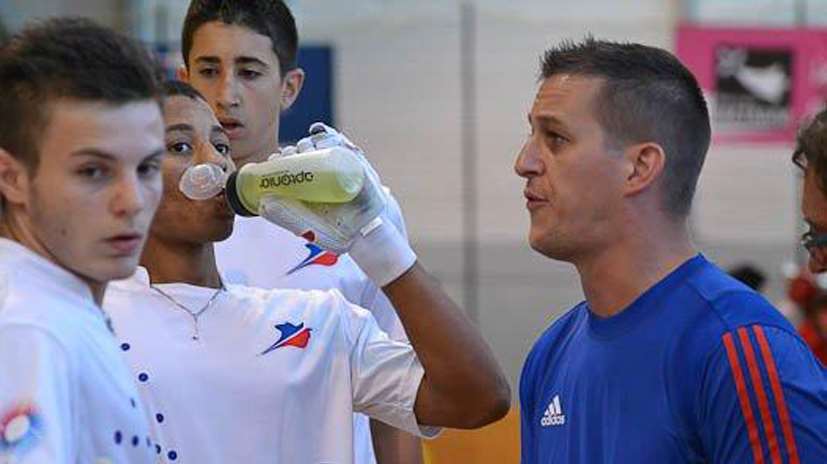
35	397
385	374
373	298
394	213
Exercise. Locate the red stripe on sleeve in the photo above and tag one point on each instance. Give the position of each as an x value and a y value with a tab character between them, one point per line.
775	384
761	394
743	397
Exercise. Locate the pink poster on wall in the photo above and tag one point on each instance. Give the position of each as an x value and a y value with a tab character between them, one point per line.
760	83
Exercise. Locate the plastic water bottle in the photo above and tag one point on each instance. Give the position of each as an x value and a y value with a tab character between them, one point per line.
330	175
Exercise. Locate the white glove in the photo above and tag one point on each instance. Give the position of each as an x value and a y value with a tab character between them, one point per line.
359	226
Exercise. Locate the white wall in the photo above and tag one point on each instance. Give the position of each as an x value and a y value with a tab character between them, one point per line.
16	12
399	92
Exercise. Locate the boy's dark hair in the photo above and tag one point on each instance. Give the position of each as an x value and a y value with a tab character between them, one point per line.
174	88
647	96
811	148
270	18
66	58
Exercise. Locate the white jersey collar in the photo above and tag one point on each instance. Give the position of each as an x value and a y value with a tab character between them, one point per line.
140	278
140	281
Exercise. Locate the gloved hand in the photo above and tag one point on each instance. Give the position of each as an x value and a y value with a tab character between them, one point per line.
359	227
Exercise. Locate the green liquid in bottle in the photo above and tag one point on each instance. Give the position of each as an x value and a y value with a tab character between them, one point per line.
331	175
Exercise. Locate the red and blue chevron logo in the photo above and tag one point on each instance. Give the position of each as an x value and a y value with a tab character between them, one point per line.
291	335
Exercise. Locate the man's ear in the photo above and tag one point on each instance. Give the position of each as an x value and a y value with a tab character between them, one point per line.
646	163
14	179
291	86
182	74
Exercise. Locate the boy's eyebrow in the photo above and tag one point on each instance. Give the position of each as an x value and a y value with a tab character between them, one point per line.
94	152
249	60
179	127
208	59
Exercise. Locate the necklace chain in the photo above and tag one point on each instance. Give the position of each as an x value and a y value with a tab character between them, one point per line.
193	314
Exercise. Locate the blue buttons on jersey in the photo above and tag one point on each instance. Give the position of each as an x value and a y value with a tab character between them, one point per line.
135	440
157	449
125	346
143	376
118	437
159	417
172	455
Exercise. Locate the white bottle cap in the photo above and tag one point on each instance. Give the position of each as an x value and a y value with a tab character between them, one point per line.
202	181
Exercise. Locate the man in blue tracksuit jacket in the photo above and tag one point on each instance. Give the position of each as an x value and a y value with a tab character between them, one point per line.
668	359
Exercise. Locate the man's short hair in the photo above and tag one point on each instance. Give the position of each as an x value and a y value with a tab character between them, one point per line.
811	148
70	58
175	88
270	18
647	96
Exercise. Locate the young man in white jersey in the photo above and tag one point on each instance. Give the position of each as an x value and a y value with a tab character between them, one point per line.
231	373
81	141
241	55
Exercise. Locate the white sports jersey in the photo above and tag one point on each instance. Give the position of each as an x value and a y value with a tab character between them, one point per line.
294	366
263	255
66	395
